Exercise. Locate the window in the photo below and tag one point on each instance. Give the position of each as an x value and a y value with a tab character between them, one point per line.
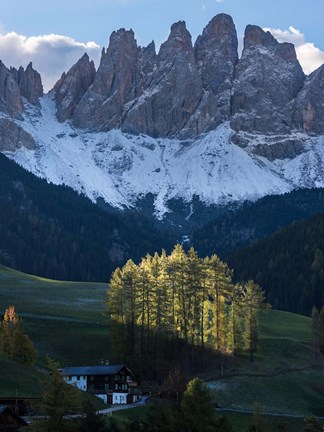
78	378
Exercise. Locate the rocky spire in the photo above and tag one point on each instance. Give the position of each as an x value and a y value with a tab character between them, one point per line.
72	86
309	107
216	56
114	84
30	84
216	52
167	104
178	43
267	78
10	97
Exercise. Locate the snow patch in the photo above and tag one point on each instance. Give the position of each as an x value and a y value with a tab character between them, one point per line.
121	168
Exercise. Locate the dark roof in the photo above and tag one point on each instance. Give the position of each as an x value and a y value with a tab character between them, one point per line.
92	370
20	420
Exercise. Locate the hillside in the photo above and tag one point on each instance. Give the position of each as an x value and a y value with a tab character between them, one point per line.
64	319
54	232
240	226
67	321
288	265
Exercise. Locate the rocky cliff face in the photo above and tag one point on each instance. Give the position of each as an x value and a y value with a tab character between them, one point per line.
216	57
114	85
181	91
166	105
309	104
267	78
14	86
13	136
186	90
10	96
72	86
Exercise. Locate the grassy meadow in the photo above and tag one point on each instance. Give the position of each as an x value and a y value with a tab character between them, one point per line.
67	321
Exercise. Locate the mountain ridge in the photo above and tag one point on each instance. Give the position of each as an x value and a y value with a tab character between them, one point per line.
190	120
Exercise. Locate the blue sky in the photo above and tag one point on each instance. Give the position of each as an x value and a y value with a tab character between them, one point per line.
76	26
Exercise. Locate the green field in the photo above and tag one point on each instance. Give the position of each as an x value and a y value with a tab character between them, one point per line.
67	321
285	377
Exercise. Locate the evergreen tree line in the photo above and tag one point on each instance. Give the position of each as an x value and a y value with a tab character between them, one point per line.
238	227
289	265
172	308
53	232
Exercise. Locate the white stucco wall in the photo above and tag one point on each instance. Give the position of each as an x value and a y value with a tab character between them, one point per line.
80	383
119	398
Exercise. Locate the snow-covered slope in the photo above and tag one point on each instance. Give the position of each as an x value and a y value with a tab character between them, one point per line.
122	168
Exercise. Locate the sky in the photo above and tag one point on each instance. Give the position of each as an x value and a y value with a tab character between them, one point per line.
54	34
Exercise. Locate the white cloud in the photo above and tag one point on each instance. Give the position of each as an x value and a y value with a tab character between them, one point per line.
51	54
309	56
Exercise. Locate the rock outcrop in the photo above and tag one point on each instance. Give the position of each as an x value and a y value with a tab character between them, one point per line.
216	57
114	85
185	90
166	105
13	136
181	91
30	84
309	104
72	86
267	78
10	96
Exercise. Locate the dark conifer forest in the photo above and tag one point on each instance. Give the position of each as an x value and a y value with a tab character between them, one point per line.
51	231
289	265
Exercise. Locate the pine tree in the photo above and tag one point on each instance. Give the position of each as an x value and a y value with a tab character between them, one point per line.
321	329
197	408
58	400
252	301
315	328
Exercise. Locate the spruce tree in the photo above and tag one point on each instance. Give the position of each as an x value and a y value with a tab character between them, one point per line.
58	400
252	301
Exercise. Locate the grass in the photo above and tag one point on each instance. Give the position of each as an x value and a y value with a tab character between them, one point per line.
241	422
67	321
33	295
284	377
19	380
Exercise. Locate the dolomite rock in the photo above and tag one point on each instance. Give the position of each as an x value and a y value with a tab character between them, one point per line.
267	78
30	84
72	86
167	104
10	97
114	85
309	104
216	57
13	136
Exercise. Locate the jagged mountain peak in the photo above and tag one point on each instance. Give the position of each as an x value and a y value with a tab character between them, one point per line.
186	121
256	36
178	42
220	25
